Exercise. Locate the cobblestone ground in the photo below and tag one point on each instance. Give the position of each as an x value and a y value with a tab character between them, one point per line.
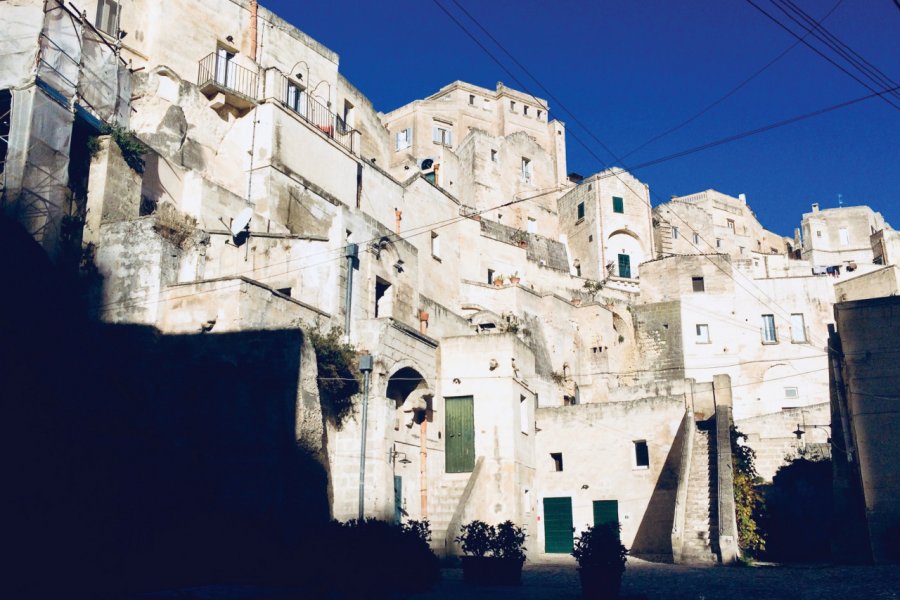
643	580
655	581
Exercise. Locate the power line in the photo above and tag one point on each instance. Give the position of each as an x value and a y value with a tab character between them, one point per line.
730	93
819	52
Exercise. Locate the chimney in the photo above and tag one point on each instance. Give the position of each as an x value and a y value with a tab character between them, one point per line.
254	9
815	207
742	198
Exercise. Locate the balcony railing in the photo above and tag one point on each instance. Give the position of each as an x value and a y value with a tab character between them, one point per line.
219	71
316	114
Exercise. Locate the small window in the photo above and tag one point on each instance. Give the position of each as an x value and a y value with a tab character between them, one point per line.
404	139
286	291
769	334
798	328
494	156
618	204
674	233
702	333
512	106
818	234
580	210
471	99
490	277
540	114
383	298
557	461
696	238
527	170
525	110
845	236
108	16
435	245
697	284
295	98
523	415
718	243
791	393
442	135
641	455
731	225
591	238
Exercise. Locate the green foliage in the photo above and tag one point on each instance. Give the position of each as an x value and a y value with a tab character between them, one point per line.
592	287
173	224
519	237
748	501
505	540
338	379
557	377
419	529
93	146
600	546
132	148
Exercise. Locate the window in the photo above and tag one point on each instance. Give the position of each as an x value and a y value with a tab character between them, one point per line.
845	236
580	210
798	328
791	393
404	139
442	135
674	233
435	245
108	17
698	284
618	204
557	461
718	243
523	415
696	238
494	156
490	277
5	127
818	234
226	67
702	333
731	225
641	455
512	106
540	114
383	298
295	98
286	291
527	170
471	99
625	266
525	110
768	329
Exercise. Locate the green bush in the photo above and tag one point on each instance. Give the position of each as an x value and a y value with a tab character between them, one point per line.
338	378
747	499
600	546
505	540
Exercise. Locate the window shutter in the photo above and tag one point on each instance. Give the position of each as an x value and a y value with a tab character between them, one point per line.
397	139
436	134
449	137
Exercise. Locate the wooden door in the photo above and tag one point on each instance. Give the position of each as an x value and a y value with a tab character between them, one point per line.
459	427
558	538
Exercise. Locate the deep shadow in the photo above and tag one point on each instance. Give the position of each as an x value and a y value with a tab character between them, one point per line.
134	460
798	512
653	540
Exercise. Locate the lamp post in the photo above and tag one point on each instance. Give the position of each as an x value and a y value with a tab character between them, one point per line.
365	365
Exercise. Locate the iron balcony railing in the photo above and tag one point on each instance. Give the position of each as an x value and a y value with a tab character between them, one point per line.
219	69
316	114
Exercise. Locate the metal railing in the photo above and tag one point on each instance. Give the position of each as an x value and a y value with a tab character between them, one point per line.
315	113
225	73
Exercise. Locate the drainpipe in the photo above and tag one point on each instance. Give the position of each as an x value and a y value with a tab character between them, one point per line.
254	10
423	469
365	365
398	217
351	251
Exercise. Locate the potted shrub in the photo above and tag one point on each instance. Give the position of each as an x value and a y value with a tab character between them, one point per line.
520	238
514	278
601	561
492	555
498	280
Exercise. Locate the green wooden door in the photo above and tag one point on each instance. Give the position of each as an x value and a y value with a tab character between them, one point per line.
558	538
606	511
624	265
459	427
398	498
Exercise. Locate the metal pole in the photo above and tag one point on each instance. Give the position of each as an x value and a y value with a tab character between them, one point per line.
351	251
365	365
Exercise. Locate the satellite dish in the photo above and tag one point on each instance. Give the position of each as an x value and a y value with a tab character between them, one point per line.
241	222
427	164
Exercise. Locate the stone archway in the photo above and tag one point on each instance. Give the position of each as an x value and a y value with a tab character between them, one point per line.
411	395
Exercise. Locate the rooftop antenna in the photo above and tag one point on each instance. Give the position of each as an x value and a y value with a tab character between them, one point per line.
840	200
240	229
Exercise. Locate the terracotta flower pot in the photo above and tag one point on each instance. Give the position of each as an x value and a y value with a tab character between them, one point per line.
514	280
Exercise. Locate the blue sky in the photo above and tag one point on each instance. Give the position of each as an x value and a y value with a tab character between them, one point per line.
631	69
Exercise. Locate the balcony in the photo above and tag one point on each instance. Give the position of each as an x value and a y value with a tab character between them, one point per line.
299	102
225	82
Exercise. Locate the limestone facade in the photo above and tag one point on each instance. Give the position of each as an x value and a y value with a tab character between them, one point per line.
273	195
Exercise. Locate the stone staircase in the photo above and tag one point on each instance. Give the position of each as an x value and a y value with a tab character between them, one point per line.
443	501
701	523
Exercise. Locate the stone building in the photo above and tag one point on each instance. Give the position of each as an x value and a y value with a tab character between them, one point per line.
445	239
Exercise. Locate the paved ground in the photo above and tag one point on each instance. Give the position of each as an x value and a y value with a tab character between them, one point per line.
677	582
653	581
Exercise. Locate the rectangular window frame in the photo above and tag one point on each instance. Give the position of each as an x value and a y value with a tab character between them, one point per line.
698	284
798	329
108	17
641	455
524	418
557	458
579	212
618	205
702	333
403	139
435	246
768	330
527	170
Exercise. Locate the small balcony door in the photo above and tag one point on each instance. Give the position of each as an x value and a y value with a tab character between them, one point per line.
225	68
625	266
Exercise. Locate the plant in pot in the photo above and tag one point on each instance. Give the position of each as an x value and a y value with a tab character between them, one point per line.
514	278
520	238
498	280
601	560
493	555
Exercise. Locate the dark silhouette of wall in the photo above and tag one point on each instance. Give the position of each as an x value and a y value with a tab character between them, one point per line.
798	512
136	460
